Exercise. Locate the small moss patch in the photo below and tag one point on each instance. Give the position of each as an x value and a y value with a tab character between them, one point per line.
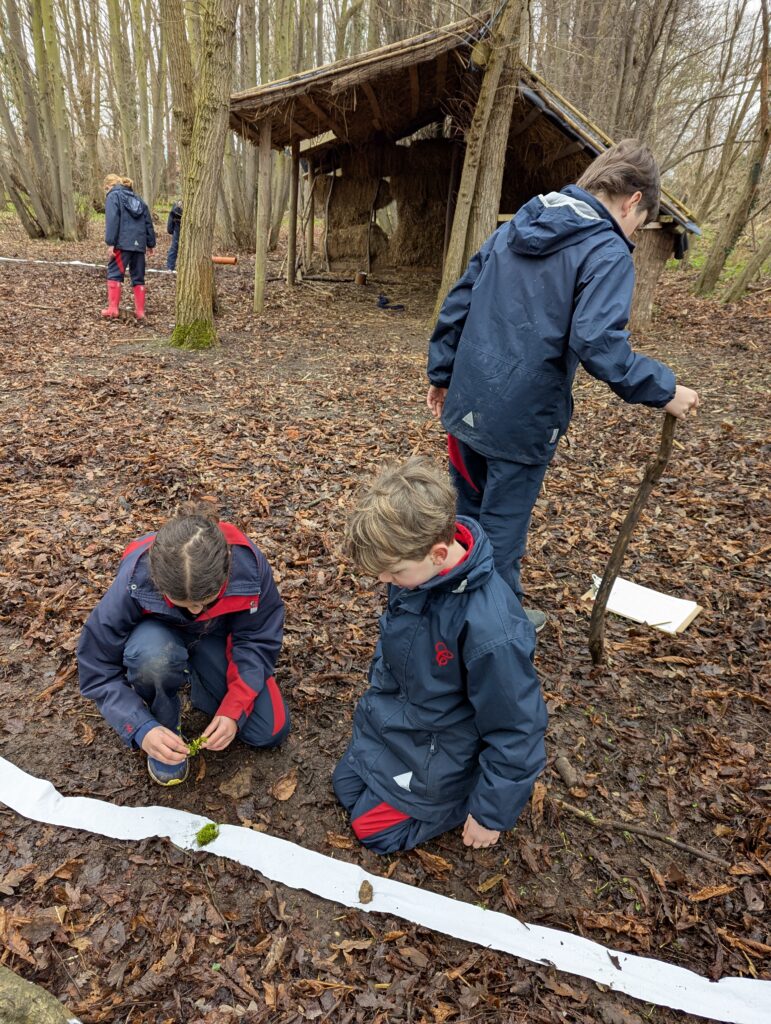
194	746
200	334
207	834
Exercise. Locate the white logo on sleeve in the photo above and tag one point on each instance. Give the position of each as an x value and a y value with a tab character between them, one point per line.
554	435
403	780
469	418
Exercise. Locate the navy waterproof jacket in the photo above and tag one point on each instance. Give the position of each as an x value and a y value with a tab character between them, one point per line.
548	290
174	220
127	221
454	708
248	612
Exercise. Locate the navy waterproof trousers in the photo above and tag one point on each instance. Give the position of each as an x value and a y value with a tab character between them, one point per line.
161	660
500	495
123	260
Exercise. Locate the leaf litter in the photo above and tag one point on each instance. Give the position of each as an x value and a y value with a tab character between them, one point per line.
104	431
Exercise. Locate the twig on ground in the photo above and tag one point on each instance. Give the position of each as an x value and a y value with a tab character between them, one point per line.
640	830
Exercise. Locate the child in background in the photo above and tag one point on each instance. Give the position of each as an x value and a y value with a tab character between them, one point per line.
193	603
450	730
129	232
548	290
173	225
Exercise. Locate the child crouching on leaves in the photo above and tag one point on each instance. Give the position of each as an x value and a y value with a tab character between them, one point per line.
193	603
450	731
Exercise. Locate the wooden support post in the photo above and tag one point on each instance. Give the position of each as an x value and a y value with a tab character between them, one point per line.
263	216
452	195
291	249
653	472
310	208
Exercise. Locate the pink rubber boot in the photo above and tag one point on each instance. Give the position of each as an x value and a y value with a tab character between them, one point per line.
113	301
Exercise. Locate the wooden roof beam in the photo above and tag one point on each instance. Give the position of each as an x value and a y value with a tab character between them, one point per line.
323	116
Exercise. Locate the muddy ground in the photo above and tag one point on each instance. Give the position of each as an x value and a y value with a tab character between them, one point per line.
104	430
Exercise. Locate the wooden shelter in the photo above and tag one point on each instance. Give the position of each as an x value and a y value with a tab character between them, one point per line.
387	127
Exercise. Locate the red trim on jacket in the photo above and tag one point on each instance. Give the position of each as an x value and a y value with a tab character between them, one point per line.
277	705
465	538
226	605
378	819
136	544
456	458
239	699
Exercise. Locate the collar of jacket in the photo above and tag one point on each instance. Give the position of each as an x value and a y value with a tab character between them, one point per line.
604	212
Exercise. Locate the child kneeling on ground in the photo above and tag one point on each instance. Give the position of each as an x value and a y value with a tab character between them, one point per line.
450	731
193	603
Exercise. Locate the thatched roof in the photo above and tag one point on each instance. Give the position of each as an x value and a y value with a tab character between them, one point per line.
394	91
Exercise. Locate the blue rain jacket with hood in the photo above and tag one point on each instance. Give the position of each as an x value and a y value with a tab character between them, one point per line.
248	612
548	290
454	708
127	221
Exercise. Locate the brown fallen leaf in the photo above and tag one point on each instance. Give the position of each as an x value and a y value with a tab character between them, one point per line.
433	863
14	878
536	804
340	842
239	785
709	892
490	883
283	788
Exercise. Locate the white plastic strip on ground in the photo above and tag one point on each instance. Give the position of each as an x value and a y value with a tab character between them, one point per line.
73	263
736	1000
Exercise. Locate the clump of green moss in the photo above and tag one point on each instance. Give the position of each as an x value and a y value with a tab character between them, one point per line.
207	834
200	334
194	746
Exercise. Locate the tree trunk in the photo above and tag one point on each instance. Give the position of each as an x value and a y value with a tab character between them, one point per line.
750	272
180	75
263	217
23	1002
195	279
654	247
479	142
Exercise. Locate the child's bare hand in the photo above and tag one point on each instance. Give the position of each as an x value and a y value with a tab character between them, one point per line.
164	745
435	399
477	835
220	732
684	401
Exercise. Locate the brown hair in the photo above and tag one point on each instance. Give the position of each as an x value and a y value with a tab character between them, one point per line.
190	558
400	516
625	168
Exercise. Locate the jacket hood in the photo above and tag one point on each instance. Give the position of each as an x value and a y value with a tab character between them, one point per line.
475	568
132	204
557	220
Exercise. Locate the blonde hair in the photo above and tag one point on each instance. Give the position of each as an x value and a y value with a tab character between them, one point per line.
111	180
624	169
400	516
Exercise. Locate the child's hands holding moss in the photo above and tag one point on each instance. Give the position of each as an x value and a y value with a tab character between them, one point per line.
477	835
220	732
165	745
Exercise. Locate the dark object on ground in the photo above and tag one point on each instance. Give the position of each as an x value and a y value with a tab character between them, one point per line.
385	303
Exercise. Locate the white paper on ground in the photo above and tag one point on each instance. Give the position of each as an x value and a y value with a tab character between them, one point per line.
641	604
735	1000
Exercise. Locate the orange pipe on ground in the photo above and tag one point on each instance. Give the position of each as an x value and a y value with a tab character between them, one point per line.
227	261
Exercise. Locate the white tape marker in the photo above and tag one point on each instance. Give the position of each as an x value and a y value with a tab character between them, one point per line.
73	263
735	1000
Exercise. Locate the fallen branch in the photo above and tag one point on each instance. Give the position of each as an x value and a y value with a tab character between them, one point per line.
653	472
640	830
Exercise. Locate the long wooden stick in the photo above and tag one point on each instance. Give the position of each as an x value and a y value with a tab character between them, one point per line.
653	473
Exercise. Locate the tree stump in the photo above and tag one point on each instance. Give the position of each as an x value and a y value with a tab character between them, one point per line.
23	1002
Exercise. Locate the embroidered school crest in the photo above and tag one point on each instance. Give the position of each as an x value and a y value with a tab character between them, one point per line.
443	654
